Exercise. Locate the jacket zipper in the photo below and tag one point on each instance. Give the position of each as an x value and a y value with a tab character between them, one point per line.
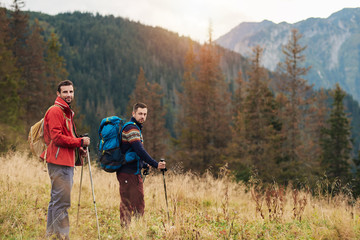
57	153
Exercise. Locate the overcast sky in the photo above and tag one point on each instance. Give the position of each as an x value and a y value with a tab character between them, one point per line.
192	17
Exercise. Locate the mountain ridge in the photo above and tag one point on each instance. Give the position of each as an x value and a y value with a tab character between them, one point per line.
333	46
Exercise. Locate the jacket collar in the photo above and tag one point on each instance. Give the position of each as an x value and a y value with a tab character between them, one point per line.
136	122
64	105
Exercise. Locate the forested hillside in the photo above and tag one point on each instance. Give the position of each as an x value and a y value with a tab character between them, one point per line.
208	107
104	55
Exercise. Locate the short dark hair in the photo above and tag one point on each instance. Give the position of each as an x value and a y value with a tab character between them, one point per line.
139	105
64	83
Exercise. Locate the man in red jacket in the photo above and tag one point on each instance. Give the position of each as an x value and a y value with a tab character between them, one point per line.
62	141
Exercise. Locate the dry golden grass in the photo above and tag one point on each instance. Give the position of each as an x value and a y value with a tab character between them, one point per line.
200	207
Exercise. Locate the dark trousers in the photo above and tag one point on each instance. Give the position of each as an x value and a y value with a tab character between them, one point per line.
61	183
132	196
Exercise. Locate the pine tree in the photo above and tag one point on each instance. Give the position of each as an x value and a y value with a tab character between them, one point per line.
154	131
10	110
238	96
187	117
140	91
28	48
18	32
156	135
54	66
261	127
356	180
35	92
236	149
295	97
336	142
206	122
315	122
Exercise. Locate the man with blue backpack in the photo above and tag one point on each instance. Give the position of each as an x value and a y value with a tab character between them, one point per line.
129	175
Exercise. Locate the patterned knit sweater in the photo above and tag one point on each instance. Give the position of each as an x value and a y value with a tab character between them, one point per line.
132	139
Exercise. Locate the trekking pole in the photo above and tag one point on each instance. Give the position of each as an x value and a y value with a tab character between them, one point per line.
92	187
167	206
82	170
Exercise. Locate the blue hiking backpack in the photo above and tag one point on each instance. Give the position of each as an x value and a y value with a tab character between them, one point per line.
109	154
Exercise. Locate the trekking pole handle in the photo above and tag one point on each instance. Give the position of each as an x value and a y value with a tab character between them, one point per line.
165	169
85	135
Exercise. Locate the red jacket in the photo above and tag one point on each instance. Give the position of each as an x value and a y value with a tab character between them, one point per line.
60	135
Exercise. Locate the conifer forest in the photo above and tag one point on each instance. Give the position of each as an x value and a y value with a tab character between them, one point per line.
208	107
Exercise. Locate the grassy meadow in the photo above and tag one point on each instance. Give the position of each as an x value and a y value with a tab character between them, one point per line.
200	207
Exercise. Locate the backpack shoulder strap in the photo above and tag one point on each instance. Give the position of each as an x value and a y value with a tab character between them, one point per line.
62	109
126	124
129	123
